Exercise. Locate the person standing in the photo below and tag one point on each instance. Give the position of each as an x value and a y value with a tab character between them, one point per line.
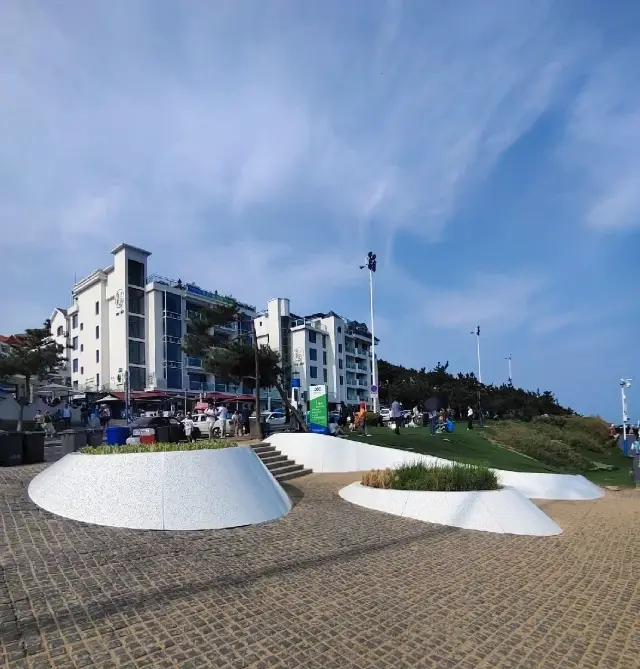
39	419
469	418
396	415
222	417
66	416
211	419
188	427
246	414
49	429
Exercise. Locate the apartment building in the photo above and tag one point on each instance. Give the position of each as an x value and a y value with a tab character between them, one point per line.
322	348
124	319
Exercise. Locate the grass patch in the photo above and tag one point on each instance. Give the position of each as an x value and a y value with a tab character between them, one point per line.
457	477
159	447
472	447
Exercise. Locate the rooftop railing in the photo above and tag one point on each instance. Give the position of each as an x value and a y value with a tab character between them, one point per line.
195	290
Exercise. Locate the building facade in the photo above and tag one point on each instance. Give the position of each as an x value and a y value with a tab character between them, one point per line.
123	319
322	348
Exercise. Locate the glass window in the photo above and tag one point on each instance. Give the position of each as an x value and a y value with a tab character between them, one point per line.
339	348
340	364
312	337
74	343
75	385
81	348
81	370
324	357
342	380
173	303
97	356
136	301
74	321
313	354
324	375
313	372
97	308
81	327
136	352
174	377
173	327
135	271
60	331
324	341
75	364
174	352
136	327
97	332
339	328
98	381
137	378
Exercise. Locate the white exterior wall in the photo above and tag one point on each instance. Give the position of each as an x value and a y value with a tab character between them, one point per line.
155	343
59	324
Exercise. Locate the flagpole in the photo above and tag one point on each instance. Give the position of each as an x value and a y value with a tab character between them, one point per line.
509	360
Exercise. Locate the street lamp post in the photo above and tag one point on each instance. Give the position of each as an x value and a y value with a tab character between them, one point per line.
371	264
509	359
476	332
624	384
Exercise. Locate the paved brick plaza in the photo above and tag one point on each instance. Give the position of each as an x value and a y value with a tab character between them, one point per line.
332	585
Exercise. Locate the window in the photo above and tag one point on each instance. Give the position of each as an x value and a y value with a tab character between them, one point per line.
174	377
342	380
339	328
324	374
324	341
339	348
75	365
97	356
97	308
74	343
97	332
324	357
136	327
313	372
81	348
173	303
313	354
59	331
312	337
136	353
81	327
174	352
136	301
173	327
75	385
74	321
340	363
137	378
81	370
98	381
135	271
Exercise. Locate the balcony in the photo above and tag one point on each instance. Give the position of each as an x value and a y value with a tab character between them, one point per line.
195	290
350	365
350	349
361	368
313	323
202	387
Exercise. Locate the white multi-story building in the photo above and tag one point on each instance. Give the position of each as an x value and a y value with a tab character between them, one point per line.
123	319
322	348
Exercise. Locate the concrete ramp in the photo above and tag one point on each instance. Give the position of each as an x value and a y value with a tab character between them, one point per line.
178	490
323	453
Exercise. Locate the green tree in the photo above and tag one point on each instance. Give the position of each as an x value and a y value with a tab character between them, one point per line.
238	359
32	355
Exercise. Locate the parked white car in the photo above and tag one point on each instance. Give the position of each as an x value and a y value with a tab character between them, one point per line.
274	418
201	427
384	414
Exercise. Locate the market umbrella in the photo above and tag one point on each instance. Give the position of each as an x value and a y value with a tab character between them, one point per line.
108	398
54	388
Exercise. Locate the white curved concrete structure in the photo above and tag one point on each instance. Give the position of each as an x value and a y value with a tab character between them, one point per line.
504	511
323	453
178	490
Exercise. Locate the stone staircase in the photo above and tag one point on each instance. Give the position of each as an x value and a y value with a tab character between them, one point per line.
278	464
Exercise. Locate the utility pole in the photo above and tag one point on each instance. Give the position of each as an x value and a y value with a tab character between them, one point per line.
371	264
624	384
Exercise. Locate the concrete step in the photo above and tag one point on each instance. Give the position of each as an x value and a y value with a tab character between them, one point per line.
263	448
285	468
293	475
270	458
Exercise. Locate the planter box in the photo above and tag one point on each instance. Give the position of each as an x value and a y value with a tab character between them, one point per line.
10	449
504	511
33	447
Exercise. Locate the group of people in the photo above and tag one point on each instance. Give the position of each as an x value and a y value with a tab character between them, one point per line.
239	422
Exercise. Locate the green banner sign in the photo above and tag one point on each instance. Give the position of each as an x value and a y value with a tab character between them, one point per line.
319	409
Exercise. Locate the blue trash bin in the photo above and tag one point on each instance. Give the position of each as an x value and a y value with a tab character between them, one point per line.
123	435
113	436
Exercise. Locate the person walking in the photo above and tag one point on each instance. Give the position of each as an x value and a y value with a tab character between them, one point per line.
396	415
66	416
211	419
222	417
39	419
49	429
469	418
188	427
246	415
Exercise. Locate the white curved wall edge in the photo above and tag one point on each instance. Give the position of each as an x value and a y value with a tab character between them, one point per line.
503	511
326	454
178	490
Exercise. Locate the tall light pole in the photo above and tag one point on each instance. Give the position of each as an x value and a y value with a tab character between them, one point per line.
624	384
371	264
476	332
509	359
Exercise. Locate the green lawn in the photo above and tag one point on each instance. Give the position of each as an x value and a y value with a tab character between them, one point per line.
472	447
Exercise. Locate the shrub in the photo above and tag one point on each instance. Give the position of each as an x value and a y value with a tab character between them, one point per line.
371	418
159	447
420	476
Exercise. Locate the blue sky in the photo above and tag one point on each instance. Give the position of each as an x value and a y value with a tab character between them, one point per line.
488	152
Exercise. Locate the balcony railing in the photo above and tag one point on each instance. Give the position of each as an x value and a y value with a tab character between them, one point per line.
350	365
350	349
195	290
313	323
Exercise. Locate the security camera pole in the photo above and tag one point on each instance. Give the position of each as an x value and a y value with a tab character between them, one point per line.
624	384
371	264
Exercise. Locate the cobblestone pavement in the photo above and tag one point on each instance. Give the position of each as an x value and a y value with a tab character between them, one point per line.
330	586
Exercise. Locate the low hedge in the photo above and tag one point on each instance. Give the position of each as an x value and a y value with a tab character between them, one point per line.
159	447
457	477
